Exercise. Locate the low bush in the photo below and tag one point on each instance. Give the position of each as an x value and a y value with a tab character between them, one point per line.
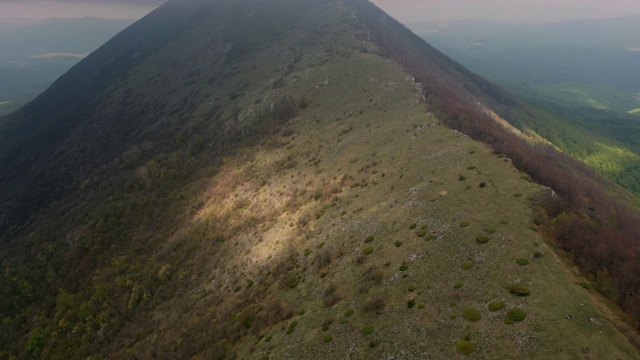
463	224
519	290
516	314
327	338
466	265
471	314
458	285
482	239
367	250
495	306
291	327
465	347
368	239
367	330
522	261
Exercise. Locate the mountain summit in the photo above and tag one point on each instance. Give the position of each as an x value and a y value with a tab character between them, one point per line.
273	179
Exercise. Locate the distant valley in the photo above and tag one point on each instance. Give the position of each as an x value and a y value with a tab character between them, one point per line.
34	53
583	76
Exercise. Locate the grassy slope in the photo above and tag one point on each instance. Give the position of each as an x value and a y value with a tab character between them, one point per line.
183	250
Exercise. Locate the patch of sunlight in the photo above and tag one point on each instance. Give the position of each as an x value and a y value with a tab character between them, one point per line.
609	159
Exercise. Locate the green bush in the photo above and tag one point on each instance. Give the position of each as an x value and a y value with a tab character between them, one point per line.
490	229
495	306
461	178
421	232
466	265
522	261
464	224
291	327
421	306
458	285
465	347
368	239
482	239
367	250
471	167
367	330
327	338
517	195
413	226
348	312
412	287
411	303
471	314
403	266
482	184
398	243
519	290
516	314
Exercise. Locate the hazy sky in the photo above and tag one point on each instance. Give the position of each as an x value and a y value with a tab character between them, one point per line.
37	9
507	10
406	11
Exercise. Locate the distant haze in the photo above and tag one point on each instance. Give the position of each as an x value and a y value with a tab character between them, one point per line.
39	9
408	11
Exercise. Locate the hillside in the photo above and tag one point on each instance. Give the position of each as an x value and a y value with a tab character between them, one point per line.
242	179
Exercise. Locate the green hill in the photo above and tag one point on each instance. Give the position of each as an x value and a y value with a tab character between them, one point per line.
240	179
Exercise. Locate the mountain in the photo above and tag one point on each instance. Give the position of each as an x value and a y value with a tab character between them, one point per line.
274	179
34	53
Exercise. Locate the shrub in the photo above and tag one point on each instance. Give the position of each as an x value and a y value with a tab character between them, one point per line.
325	325
482	184
411	303
421	232
522	261
368	239
465	347
421	306
411	287
471	314
291	327
458	285
464	224
348	312
403	266
377	305
495	306
331	296
374	343
482	239
367	250
466	265
413	226
327	338
398	243
516	314
517	195
519	290
461	178
490	229
470	167
367	330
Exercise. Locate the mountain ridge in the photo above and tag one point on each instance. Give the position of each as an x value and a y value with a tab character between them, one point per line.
289	177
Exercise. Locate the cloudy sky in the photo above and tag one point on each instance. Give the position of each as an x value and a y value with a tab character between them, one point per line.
406	11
